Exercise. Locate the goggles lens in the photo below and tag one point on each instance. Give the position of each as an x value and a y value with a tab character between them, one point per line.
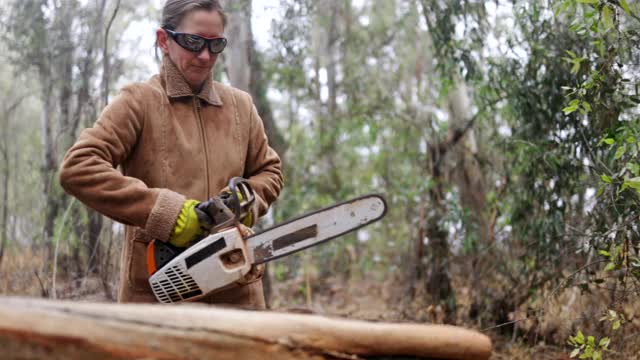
196	43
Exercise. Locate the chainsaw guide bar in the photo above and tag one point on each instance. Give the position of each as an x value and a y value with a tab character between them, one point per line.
315	228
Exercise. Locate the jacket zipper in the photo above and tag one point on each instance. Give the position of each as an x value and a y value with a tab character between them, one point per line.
203	138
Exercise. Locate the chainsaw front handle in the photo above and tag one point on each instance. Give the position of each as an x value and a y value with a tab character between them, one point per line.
239	185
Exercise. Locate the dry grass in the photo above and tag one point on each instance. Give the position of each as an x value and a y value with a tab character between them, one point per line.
23	273
569	311
536	338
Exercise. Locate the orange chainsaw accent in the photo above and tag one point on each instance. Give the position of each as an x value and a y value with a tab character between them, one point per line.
151	259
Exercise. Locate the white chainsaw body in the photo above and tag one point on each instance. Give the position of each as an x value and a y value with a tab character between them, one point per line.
223	258
211	264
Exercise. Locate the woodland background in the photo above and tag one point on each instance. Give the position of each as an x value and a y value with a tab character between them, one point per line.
504	135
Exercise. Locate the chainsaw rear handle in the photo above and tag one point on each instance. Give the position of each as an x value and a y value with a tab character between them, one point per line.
159	253
212	264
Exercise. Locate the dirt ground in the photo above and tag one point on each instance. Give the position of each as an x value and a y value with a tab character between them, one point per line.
376	301
357	299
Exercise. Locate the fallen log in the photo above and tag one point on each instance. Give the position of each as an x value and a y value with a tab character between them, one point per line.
49	329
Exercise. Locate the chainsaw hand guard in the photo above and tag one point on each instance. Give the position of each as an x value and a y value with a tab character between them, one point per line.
241	200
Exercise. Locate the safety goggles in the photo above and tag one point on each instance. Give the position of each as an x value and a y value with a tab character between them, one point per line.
196	43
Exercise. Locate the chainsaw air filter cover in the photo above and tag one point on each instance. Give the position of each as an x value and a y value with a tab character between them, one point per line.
213	263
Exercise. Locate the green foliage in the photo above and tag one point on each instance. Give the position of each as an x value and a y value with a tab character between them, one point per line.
606	95
554	118
540	172
366	143
588	348
616	319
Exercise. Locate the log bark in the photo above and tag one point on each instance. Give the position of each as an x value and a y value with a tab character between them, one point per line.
49	329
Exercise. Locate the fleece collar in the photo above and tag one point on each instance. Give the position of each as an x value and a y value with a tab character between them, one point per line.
176	86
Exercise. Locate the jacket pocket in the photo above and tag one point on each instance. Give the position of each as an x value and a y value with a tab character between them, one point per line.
137	261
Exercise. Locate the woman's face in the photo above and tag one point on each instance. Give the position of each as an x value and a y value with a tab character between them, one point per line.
195	67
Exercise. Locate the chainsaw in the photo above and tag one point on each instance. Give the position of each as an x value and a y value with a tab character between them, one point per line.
225	256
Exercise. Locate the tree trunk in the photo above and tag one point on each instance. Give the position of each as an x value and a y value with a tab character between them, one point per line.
258	89
5	198
48	167
13	188
244	67
8	170
238	53
416	271
470	180
468	175
438	279
325	44
105	274
62	73
64	63
45	329
94	226
106	64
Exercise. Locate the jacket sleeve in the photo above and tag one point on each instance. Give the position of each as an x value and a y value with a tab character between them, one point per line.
89	172
263	167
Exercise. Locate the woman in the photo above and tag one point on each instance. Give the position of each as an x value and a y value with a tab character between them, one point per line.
178	138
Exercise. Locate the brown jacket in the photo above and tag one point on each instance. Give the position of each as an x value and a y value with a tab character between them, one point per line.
171	145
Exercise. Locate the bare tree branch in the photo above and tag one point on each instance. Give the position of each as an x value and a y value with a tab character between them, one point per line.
443	147
105	56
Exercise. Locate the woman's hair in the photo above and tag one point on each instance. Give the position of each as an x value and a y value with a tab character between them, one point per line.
175	10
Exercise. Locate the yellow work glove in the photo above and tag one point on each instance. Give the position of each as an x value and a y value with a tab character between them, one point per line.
187	226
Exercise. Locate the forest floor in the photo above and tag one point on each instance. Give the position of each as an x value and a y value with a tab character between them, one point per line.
373	301
366	300
534	338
